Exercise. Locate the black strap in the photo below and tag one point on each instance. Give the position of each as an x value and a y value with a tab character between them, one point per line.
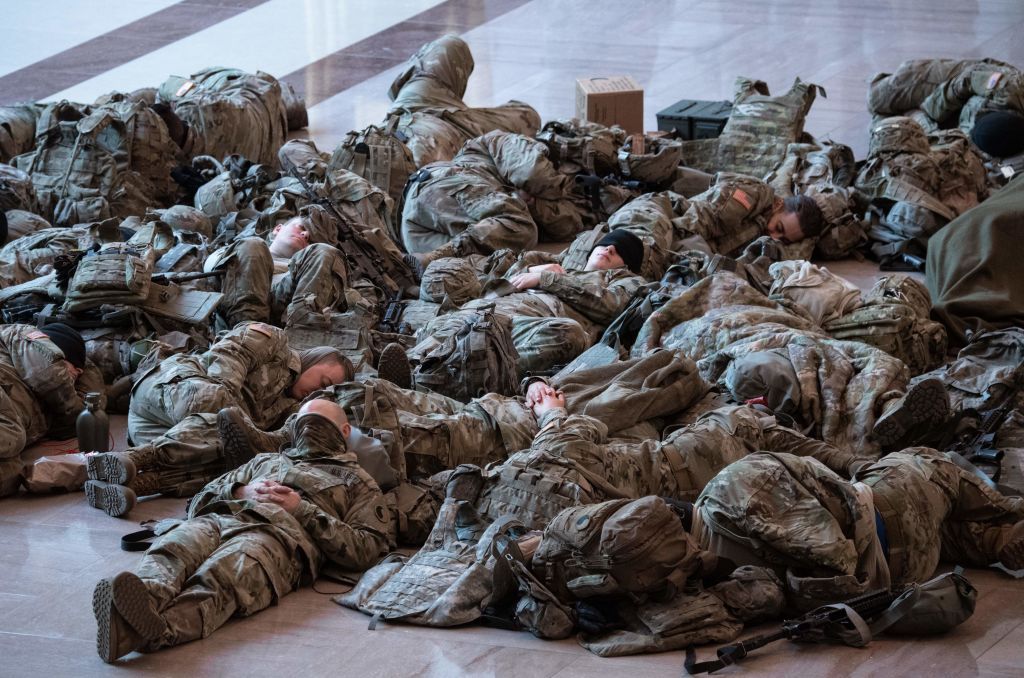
138	541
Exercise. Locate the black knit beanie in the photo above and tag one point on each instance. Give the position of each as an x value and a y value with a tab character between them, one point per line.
69	341
999	133
628	246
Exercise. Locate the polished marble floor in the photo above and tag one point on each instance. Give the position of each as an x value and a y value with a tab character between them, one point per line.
342	54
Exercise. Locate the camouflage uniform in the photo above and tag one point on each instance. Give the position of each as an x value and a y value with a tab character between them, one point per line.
235	557
427	94
947	91
727	216
794	514
36	393
474	203
252	366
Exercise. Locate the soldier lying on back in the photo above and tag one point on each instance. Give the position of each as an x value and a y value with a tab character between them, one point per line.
252	536
172	419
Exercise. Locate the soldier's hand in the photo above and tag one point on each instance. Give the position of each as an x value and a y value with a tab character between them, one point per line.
536	391
250	491
275	493
525	281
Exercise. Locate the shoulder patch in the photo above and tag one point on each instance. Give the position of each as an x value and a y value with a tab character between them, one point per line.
993	80
740	196
184	89
262	328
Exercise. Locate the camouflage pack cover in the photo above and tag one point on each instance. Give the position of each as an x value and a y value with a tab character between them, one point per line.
16	190
466	354
896	329
151	152
898	134
379	155
303	155
17	130
231	111
580	146
962	178
449	581
903	289
451	277
21	223
622	547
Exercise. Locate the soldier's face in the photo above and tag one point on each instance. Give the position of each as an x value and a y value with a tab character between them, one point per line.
317	377
785	227
289	238
604	258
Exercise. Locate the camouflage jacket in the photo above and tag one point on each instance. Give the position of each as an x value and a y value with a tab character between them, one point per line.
730	214
341	520
517	161
600	296
996	86
254	361
34	375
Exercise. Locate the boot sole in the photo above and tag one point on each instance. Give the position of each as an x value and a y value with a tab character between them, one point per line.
925	402
102	602
393	366
111	498
237	450
132	600
107	467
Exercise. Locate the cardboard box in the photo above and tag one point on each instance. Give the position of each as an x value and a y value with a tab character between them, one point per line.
615	100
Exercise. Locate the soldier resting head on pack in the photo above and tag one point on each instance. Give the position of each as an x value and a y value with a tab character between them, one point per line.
794	219
289	238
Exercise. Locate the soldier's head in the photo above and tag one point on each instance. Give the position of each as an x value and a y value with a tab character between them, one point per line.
321	367
321	429
794	219
71	344
618	249
999	133
289	238
331	411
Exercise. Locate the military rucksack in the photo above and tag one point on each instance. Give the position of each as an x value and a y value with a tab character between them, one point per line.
653	163
580	146
449	581
466	354
117	274
451	277
16	190
895	319
379	155
962	179
616	548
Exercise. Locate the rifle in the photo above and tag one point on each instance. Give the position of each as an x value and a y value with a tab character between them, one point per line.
977	444
843	622
361	255
391	319
164	278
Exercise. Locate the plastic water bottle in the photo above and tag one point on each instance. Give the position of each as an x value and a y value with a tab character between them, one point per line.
93	426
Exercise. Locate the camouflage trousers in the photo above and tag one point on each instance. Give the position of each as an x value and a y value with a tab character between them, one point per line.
13	439
182	460
159	403
211	568
316	280
934	509
433	432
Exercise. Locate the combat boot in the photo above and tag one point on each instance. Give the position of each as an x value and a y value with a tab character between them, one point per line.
926	403
114	499
394	366
110	467
241	440
126	616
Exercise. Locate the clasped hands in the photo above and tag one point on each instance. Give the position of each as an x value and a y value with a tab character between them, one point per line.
530	278
271	492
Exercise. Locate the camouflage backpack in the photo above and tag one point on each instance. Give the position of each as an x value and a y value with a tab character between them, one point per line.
581	146
466	354
449	581
79	167
117	274
17	130
16	190
844	232
963	182
895	319
231	111
654	164
379	155
623	548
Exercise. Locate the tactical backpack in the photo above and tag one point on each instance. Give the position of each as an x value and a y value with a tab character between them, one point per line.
617	548
466	354
962	178
894	318
379	155
652	162
449	581
117	274
451	277
579	146
231	111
